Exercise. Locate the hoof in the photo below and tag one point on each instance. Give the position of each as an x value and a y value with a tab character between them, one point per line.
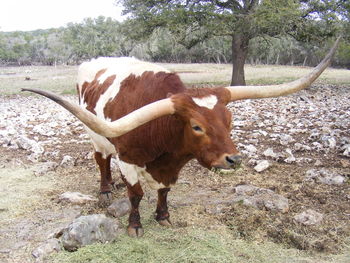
105	199
165	222
135	231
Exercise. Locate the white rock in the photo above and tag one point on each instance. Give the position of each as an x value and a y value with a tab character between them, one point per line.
260	198
76	198
261	166
120	207
325	176
290	158
46	248
309	217
286	139
67	161
90	229
251	148
346	149
270	153
44	168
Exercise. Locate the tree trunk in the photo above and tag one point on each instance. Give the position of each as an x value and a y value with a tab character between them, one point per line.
239	55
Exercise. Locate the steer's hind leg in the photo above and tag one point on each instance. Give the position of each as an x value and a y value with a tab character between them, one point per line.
162	214
135	194
106	178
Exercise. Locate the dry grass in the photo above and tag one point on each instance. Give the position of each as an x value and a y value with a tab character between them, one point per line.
21	191
62	78
58	79
220	74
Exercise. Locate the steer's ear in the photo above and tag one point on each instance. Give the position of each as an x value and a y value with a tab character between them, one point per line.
169	95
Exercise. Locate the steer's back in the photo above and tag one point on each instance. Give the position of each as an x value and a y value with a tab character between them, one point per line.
99	80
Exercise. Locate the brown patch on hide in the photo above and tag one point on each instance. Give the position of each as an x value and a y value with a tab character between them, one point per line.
91	91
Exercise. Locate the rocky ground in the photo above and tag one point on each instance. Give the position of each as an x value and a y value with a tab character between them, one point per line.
292	189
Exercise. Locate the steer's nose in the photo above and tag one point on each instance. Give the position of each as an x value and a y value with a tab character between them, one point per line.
233	160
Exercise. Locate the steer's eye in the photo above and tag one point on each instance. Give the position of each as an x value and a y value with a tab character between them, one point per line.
197	128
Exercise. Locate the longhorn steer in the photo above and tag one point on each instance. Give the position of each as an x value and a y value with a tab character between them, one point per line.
144	115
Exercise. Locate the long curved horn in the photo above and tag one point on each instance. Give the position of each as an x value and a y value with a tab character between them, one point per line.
118	127
257	92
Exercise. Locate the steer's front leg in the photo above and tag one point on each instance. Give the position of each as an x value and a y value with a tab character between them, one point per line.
162	214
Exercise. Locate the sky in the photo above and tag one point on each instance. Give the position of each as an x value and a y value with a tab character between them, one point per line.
26	15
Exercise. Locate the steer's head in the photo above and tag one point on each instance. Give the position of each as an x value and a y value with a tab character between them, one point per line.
207	127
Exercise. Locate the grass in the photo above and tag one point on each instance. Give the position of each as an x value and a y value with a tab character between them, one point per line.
61	79
20	191
181	244
189	245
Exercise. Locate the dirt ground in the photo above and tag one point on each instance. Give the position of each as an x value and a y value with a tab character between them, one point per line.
30	210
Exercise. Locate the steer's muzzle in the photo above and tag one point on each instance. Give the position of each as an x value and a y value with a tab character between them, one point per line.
228	161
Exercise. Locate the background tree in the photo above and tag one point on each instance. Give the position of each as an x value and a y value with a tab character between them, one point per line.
193	21
95	37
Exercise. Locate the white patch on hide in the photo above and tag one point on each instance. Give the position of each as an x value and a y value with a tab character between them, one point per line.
101	144
208	102
132	172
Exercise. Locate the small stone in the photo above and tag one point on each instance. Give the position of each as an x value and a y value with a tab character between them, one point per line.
346	149
90	229
67	161
309	217
46	248
44	168
325	176
260	198
286	139
345	163
119	208
252	162
261	166
304	160
318	163
245	189
290	158
301	147
251	148
270	153
76	198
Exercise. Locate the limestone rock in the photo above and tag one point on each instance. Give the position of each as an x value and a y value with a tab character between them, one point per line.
290	158
90	229
346	150
325	176
44	168
76	198
46	248
260	198
270	153
67	161
262	166
309	217
120	207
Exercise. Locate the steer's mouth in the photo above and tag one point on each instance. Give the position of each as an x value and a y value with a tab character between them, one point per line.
225	170
227	164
